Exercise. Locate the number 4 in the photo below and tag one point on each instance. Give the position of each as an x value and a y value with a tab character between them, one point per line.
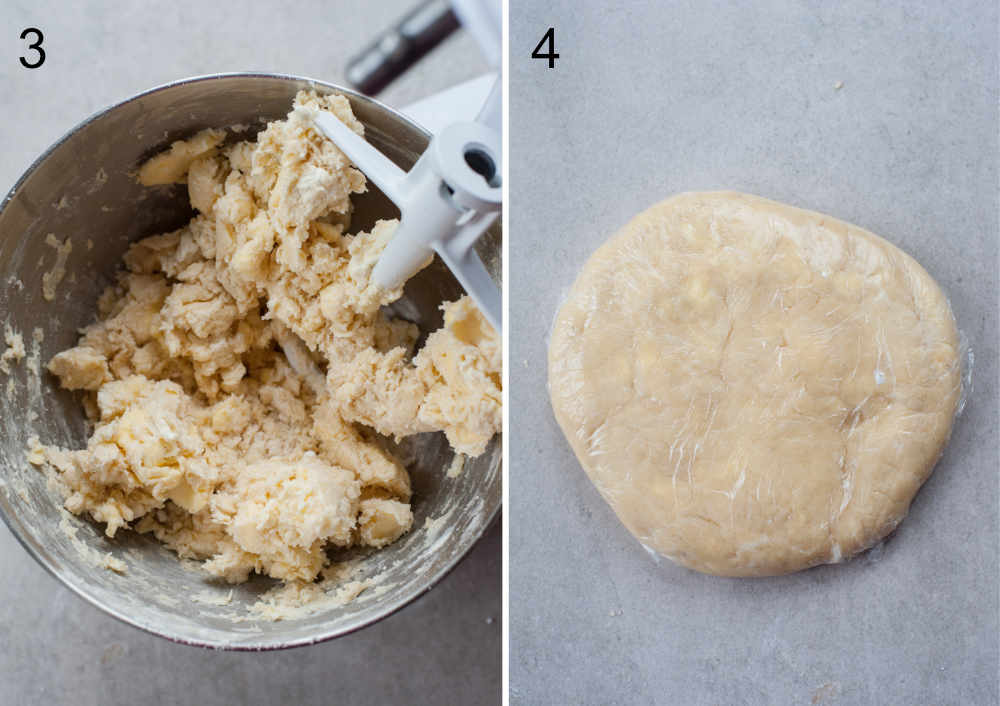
550	38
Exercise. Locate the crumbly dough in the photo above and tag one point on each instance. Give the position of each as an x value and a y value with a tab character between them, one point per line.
14	352
754	388
239	367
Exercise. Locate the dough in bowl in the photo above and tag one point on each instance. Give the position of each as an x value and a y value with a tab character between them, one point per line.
754	388
244	374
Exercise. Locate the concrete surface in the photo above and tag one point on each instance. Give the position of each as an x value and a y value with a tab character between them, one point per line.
652	98
445	648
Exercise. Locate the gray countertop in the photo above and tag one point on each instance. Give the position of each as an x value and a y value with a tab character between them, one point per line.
649	99
444	648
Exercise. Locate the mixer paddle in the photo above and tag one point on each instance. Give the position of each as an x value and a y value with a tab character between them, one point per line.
447	200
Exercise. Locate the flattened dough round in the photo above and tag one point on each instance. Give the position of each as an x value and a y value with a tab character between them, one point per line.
754	388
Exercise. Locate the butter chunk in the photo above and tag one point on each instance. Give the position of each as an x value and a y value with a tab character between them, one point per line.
172	166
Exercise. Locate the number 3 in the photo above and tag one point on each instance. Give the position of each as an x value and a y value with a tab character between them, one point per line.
37	46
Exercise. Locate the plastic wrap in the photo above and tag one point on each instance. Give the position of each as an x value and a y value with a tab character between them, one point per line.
754	388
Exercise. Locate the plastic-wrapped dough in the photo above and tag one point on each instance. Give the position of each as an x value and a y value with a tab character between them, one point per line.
754	388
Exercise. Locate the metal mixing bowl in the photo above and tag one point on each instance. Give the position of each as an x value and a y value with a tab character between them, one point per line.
84	188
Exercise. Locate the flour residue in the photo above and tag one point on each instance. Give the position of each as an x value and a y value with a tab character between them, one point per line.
209	598
102	560
52	278
341	584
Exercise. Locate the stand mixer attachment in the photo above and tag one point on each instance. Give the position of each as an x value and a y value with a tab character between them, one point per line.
447	200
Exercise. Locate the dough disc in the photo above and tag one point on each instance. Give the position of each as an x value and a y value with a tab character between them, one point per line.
754	388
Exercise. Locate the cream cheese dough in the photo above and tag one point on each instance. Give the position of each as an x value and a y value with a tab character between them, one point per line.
238	371
754	388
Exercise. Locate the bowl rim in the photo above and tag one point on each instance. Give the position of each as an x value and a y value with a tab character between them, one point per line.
17	529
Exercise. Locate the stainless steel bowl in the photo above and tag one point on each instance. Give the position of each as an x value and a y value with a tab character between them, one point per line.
83	188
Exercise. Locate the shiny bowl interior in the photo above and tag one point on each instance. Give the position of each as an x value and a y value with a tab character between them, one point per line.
84	188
